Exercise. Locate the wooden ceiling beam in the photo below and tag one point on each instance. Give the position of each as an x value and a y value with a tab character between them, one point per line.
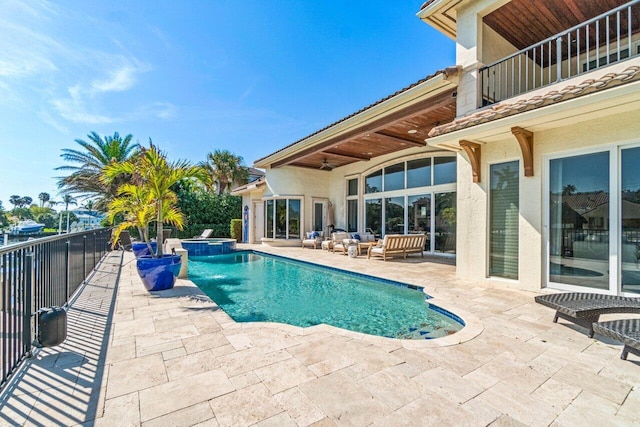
347	156
403	141
421	107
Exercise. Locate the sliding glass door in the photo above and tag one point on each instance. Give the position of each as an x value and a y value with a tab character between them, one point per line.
579	208
630	220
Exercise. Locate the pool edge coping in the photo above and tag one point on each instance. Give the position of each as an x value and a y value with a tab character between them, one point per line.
472	325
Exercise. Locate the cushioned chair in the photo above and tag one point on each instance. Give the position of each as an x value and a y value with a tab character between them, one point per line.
314	238
338	242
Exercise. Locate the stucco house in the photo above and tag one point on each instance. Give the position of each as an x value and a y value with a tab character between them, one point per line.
522	160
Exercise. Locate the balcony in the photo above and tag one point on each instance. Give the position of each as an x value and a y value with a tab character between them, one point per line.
607	38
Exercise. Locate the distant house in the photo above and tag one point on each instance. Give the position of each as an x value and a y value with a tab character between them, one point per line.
87	220
521	160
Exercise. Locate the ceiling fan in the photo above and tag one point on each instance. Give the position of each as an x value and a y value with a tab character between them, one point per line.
326	165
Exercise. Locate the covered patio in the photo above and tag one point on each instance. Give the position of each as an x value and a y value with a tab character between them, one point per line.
175	358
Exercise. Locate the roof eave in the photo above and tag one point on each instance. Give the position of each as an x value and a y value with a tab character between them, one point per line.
554	115
440	14
439	83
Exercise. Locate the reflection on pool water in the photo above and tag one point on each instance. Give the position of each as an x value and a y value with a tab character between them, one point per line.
253	287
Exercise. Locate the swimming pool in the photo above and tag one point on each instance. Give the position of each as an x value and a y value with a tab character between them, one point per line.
252	287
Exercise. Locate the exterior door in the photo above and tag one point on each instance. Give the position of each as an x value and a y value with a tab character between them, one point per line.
258	222
319	215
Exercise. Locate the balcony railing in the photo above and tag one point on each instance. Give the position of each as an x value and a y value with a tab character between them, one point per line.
36	274
596	43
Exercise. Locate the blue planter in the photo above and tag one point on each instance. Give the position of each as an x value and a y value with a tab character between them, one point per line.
140	248
159	274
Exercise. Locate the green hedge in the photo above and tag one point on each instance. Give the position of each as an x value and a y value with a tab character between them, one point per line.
236	229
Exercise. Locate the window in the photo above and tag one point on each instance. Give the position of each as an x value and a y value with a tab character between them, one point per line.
400	198
352	216
373	182
352	187
445	216
394	215
352	205
444	170
579	220
394	177
630	221
268	208
504	208
419	173
373	216
283	218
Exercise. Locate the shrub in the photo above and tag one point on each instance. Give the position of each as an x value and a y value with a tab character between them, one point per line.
236	229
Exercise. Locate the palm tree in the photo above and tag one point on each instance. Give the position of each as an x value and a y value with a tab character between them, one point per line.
222	168
67	199
44	198
89	205
154	176
15	200
97	154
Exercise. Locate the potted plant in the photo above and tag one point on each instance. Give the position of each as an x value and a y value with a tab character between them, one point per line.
148	197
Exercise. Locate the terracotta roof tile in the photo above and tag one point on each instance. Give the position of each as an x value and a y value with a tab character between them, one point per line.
510	108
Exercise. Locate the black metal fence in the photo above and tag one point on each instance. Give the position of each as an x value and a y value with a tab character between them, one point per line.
40	273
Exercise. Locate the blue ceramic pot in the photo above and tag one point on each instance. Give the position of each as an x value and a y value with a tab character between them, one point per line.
159	274
140	248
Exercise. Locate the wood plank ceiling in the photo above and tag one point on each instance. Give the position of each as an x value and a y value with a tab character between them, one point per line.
398	131
526	22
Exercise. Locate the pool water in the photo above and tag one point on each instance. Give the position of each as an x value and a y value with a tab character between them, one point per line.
252	287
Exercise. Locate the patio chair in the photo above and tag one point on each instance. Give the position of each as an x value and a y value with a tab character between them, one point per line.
626	331
206	233
584	309
124	241
314	238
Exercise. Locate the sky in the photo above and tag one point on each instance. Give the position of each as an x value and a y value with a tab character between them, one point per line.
195	76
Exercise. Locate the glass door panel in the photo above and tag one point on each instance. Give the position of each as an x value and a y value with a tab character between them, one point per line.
394	215
419	217
445	227
579	221
373	216
630	221
318	216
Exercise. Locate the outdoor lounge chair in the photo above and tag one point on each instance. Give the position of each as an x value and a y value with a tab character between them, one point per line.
398	244
124	241
314	238
206	233
584	309
626	331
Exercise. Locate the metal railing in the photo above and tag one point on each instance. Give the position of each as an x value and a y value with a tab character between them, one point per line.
598	42
40	273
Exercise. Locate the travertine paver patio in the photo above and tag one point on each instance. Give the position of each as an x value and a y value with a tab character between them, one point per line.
176	359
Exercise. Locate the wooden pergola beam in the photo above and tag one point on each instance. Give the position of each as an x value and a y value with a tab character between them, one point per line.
525	140
403	141
421	107
473	150
347	156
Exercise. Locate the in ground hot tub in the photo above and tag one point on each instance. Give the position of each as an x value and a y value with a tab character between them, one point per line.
204	247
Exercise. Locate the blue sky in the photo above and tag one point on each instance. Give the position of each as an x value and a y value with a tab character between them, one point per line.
195	76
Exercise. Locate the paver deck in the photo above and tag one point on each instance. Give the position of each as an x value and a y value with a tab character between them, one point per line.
175	358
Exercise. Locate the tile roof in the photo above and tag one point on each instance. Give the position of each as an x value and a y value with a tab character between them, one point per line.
446	71
256	183
510	108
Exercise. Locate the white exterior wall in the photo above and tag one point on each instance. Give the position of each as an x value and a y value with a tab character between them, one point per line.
473	209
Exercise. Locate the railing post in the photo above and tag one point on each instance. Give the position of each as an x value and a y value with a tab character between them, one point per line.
559	59
95	244
29	275
84	255
68	270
